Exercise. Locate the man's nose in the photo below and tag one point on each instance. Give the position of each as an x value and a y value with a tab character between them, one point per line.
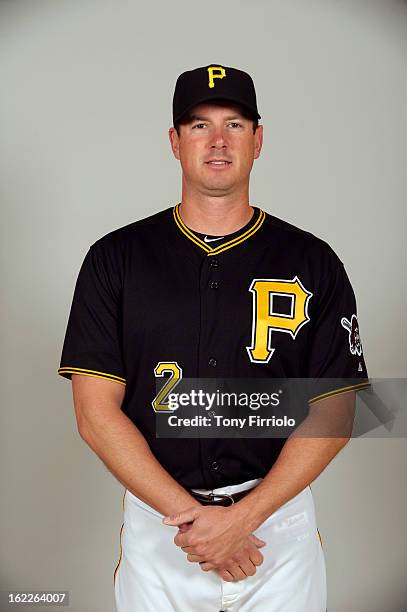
219	139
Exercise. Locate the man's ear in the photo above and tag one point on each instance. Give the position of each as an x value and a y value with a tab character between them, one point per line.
174	141
258	141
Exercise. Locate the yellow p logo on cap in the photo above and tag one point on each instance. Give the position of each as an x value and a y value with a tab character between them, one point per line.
215	72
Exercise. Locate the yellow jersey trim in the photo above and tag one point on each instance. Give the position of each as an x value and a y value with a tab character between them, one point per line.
64	371
222	247
121	545
356	387
121	555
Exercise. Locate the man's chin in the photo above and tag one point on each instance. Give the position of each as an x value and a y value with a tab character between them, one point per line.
219	185
218	191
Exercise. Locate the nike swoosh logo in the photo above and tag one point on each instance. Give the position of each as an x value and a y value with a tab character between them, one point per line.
206	239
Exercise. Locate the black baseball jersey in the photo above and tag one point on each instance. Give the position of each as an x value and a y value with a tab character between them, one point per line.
270	300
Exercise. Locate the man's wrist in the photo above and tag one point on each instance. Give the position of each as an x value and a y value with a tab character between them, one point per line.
250	512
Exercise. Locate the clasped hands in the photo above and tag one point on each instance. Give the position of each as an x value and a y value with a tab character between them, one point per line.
218	539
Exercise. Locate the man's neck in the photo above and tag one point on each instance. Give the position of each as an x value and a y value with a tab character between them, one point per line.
215	215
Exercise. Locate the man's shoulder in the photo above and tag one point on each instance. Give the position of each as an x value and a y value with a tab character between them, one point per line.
299	239
146	226
292	231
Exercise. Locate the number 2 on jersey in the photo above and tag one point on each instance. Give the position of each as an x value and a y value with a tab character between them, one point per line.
164	367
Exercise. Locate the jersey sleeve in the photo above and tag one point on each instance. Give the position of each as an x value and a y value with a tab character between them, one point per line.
92	344
335	356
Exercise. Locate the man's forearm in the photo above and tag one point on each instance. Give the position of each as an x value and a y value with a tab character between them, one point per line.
126	454
299	463
302	458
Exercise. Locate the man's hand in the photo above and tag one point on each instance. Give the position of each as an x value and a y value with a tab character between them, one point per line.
218	537
238	567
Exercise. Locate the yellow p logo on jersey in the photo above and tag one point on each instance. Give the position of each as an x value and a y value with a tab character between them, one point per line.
264	321
215	72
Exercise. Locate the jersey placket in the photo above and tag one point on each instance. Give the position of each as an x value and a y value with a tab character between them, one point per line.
209	366
212	284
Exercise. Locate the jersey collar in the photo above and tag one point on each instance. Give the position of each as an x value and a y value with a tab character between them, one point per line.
252	229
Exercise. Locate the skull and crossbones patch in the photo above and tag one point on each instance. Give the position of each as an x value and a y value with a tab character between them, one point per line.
352	326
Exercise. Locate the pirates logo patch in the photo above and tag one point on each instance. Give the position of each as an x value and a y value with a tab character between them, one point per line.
352	326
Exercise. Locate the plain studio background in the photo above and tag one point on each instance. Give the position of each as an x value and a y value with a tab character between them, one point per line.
85	108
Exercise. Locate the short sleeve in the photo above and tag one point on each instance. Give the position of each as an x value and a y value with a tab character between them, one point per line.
335	354
92	344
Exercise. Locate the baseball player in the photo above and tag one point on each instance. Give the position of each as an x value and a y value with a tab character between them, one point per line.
211	287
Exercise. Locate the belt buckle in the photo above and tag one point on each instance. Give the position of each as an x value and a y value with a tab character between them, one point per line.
223	495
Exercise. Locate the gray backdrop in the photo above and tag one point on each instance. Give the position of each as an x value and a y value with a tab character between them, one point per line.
85	109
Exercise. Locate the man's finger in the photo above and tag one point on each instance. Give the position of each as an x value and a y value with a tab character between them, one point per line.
195	558
236	571
246	566
257	559
186	516
182	540
225	575
206	566
187	549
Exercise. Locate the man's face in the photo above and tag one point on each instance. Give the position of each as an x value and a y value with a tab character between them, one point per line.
216	133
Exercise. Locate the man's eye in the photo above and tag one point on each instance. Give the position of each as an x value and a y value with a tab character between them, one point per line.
232	123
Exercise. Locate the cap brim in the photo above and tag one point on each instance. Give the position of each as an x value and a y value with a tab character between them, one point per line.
212	99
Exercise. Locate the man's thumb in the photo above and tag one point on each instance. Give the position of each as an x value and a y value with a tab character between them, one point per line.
259	543
182	517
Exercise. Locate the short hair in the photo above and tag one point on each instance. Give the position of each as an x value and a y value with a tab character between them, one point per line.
186	117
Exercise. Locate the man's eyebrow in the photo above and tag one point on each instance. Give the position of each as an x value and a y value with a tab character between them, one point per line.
203	118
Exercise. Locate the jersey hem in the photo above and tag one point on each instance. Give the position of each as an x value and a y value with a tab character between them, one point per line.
356	387
67	372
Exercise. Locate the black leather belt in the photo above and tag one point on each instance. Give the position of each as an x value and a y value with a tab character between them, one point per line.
226	500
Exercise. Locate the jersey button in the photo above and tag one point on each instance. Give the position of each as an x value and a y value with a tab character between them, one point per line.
214	263
215	465
214	285
212	362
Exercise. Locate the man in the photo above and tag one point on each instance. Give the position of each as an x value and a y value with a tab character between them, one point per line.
193	292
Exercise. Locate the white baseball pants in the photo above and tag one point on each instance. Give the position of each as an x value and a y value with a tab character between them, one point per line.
154	575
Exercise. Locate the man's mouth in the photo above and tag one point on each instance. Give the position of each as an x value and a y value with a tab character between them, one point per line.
218	163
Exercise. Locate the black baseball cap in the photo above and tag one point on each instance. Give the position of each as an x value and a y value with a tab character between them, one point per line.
210	83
